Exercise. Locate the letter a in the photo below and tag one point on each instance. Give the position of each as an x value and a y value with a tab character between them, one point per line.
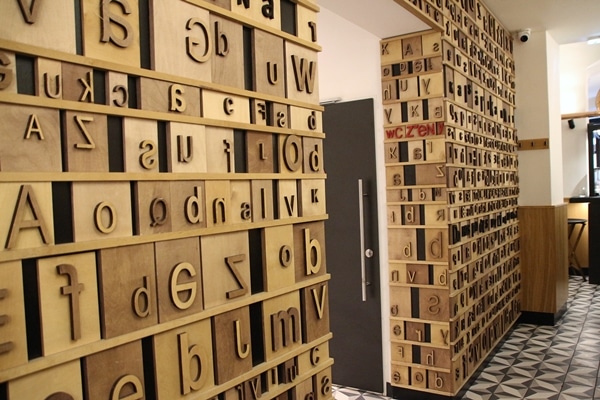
18	223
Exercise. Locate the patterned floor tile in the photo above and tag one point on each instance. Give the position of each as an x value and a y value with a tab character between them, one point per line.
558	362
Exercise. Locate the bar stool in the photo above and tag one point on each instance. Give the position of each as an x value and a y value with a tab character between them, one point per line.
573	261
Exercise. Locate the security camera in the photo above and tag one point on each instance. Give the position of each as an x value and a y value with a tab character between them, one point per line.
524	35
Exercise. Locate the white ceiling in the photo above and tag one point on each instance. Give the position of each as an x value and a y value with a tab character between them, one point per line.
567	21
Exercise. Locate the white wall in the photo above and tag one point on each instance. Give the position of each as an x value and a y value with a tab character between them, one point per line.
349	68
579	63
537	116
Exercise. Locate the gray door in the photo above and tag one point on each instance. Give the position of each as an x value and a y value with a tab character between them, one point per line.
349	150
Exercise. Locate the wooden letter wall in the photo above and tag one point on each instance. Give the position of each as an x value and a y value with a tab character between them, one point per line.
452	187
162	193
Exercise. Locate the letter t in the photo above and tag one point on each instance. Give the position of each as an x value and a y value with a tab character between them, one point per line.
72	289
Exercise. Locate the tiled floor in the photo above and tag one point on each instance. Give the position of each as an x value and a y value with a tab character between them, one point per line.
540	362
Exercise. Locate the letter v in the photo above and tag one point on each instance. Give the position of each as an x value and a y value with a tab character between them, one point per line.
29	12
320	304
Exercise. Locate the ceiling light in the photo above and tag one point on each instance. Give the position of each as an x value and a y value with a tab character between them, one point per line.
594	40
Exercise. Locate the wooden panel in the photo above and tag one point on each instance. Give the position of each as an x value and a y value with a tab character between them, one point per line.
127	283
312	197
114	373
225	107
183	360
31	24
315	312
309	244
152	202
307	23
68	294
78	82
269	63
262	200
313	358
220	156
259	153
31	139
112	33
544	247
62	380
117	89
264	13
163	96
301	73
85	142
13	337
290	154
533	144
306	119
287	199
228	61
232	344
226	268
241	202
281	324
101	210
48	77
313	155
218	200
140	145
27	220
322	383
178	278
278	257
188	198
8	72
186	147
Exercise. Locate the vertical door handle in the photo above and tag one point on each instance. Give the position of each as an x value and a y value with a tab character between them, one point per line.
368	253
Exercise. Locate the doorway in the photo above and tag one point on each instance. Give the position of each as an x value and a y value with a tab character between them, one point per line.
352	244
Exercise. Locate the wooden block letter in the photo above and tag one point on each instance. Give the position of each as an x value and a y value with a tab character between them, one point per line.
178	278
61	382
301	72
183	361
232	344
31	21
278	257
128	289
315	312
124	377
309	250
225	267
27	221
85	142
186	147
68	301
282	324
13	339
101	210
30	139
111	31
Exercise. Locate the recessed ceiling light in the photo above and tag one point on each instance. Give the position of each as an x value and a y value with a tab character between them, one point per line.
594	40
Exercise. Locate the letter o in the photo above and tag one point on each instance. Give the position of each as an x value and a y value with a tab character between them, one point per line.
292	152
112	217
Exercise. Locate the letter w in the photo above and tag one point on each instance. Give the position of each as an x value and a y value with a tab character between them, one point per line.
304	72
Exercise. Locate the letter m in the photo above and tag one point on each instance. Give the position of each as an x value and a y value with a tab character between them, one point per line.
304	72
285	328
